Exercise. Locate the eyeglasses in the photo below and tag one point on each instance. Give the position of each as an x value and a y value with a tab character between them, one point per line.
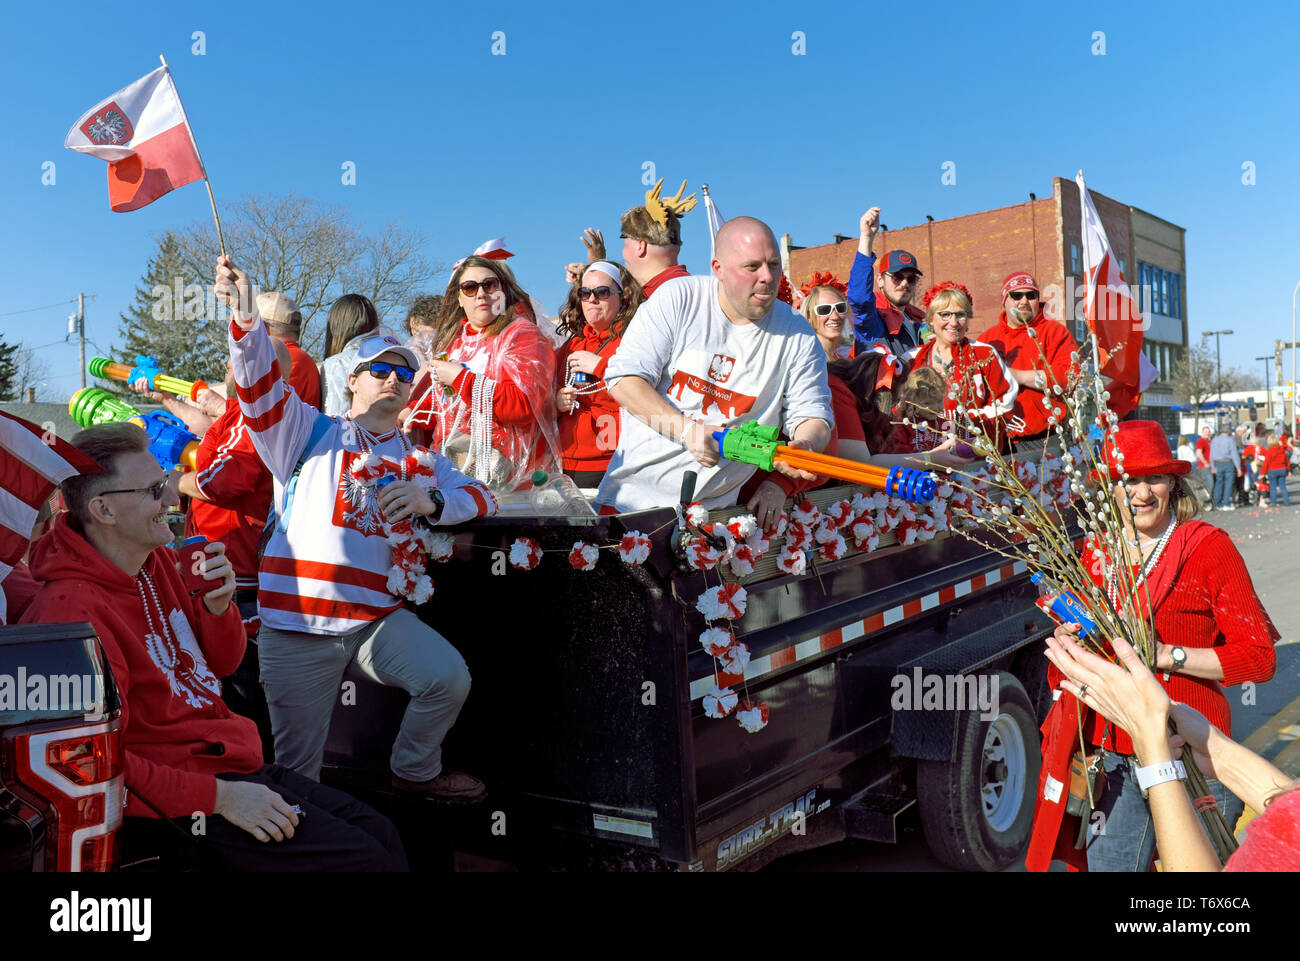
906	279
489	284
155	490
1024	295
825	310
953	315
382	368
594	293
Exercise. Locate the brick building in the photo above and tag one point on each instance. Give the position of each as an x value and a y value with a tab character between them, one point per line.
1044	237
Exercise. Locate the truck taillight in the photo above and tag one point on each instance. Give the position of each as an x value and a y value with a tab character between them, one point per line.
79	771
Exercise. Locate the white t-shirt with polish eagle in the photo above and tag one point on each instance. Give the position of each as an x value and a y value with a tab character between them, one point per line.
680	342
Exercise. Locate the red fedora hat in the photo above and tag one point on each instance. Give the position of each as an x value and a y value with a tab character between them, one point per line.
1146	451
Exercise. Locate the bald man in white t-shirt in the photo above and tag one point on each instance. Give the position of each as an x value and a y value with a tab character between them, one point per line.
708	353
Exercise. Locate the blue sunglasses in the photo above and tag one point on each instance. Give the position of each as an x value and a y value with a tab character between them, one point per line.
381	369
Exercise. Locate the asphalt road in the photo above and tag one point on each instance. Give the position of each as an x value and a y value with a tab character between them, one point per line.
1268	540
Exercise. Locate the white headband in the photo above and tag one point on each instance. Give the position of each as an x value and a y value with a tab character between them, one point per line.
609	270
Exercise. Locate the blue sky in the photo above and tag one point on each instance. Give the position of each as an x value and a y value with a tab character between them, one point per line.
552	136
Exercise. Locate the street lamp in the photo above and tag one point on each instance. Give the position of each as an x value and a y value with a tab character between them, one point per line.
1268	383
1218	365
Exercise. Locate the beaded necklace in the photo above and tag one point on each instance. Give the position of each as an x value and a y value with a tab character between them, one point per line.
170	655
1112	587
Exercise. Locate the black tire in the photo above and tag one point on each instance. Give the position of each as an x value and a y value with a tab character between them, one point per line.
960	830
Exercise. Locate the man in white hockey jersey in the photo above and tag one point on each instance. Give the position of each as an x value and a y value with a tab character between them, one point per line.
330	586
707	353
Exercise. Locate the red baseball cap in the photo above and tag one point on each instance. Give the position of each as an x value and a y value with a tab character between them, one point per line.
896	261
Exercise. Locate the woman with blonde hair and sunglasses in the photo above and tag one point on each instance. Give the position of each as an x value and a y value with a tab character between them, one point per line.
487	399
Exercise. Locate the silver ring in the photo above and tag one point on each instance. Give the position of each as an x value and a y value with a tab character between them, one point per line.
1083	691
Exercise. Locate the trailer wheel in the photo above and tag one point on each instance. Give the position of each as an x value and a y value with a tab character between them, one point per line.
976	810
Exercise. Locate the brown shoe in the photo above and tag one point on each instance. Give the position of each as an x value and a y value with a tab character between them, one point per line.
454	786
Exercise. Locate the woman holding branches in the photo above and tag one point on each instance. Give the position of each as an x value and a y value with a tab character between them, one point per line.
1203	622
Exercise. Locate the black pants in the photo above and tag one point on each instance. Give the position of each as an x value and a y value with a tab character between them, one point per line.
336	833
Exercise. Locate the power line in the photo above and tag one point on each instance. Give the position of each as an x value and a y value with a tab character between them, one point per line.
11	313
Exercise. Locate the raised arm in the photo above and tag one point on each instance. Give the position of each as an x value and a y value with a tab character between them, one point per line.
279	421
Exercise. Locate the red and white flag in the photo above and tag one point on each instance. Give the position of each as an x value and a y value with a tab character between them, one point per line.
1112	316
141	131
32	463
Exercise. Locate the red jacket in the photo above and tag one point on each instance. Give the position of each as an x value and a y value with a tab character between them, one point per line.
989	391
229	472
177	732
1022	352
304	378
1276	458
589	435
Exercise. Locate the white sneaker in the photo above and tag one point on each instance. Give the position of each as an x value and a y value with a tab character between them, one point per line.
1228	508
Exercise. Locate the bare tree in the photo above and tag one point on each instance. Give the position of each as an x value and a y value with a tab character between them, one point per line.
315	254
32	370
1195	379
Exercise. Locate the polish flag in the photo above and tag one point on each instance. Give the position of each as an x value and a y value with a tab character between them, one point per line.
142	133
1112	316
32	463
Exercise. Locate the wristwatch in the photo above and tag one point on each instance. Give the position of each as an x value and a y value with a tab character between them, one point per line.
439	502
1179	657
1153	774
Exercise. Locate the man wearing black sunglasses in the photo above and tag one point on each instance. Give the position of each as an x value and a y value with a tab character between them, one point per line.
329	592
886	315
107	562
1037	352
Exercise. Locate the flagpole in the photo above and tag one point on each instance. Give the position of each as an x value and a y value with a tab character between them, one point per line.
194	143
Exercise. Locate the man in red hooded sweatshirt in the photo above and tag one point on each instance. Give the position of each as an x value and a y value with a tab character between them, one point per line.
188	757
887	315
1037	353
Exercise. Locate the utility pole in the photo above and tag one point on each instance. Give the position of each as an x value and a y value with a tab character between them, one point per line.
81	334
1268	384
1218	366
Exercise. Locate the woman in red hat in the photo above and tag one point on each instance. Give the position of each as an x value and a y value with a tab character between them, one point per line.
489	401
978	381
1211	632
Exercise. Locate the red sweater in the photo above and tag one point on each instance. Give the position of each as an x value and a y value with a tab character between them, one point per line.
1022	352
304	378
589	435
1276	458
1212	603
177	732
1272	839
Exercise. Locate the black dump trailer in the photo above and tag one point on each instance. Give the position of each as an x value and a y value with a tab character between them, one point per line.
907	675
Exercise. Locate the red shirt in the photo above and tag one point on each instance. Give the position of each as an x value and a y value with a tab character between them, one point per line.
19	588
844	406
1272	839
1203	452
661	278
238	486
1275	458
304	378
589	435
1212	603
1022	352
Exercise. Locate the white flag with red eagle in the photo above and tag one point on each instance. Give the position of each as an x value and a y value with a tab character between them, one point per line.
32	463
142	132
1112	316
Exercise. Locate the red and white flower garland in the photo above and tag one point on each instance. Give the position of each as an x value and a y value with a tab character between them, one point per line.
411	547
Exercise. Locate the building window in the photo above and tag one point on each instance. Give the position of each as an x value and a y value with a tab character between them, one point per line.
1076	267
1160	291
